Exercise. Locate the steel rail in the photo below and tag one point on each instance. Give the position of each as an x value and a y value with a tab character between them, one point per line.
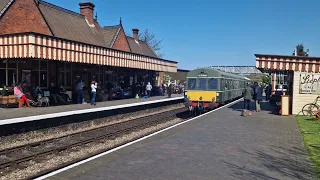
87	137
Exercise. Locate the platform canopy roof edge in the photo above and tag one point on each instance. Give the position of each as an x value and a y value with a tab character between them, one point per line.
269	62
38	46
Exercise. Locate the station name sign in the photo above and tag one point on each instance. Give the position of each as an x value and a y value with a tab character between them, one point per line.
310	83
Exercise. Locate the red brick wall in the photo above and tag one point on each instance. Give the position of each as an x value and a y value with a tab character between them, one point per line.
23	16
121	42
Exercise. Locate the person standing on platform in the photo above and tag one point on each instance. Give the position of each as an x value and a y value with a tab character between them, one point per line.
148	89
80	93
163	89
169	90
247	96
258	96
94	87
268	92
180	88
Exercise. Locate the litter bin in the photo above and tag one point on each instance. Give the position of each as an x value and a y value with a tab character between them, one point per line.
285	103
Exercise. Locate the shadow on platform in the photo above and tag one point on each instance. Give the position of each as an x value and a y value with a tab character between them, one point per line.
264	105
274	163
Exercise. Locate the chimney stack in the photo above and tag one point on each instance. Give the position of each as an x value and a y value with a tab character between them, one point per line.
135	34
86	9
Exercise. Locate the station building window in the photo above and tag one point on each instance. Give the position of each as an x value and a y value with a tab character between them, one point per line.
3	74
8	73
40	73
65	77
281	80
99	74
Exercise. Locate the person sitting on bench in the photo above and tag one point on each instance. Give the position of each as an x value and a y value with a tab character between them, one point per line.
54	93
20	95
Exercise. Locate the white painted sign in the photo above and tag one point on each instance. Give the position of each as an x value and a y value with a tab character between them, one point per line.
309	83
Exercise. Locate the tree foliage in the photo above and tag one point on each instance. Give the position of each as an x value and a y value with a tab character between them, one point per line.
266	79
152	41
256	77
300	50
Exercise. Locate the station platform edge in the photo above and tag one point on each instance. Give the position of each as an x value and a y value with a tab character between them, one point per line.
8	116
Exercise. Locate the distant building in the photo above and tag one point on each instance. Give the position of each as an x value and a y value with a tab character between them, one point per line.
180	75
297	76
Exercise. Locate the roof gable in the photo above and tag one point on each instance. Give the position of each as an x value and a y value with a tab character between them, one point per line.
109	34
121	41
140	47
70	25
19	14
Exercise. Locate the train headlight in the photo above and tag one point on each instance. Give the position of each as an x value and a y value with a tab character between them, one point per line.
200	98
185	93
217	94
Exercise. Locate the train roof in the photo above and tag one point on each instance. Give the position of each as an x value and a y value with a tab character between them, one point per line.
211	72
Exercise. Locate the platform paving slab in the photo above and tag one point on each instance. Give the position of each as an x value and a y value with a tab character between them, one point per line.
9	113
220	145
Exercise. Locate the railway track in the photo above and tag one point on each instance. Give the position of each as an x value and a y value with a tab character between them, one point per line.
14	158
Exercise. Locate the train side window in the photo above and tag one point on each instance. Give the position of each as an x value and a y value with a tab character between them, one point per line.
202	84
222	84
227	84
192	84
213	84
236	86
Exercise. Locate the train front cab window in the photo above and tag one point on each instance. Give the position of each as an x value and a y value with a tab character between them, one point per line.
202	84
192	83
212	84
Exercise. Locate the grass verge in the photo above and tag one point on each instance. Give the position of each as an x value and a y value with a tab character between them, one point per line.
310	130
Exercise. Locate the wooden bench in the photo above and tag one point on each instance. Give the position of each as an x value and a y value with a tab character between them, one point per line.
10	100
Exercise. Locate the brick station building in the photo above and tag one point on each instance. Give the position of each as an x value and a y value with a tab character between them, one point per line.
41	42
299	76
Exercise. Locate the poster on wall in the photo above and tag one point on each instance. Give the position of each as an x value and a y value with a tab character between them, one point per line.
26	77
309	83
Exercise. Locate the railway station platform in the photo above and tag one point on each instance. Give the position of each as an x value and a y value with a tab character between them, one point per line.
18	115
218	145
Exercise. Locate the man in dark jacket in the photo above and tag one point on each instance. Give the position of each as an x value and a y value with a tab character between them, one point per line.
258	96
169	90
247	96
268	92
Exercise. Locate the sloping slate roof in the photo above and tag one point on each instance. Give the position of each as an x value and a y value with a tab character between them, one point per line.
70	25
3	4
140	48
109	33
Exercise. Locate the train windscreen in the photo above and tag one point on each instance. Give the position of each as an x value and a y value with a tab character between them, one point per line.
202	84
212	84
192	83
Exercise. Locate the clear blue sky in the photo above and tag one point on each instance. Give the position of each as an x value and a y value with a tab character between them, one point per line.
201	33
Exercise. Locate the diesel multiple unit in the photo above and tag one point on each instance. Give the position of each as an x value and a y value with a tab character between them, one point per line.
207	88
